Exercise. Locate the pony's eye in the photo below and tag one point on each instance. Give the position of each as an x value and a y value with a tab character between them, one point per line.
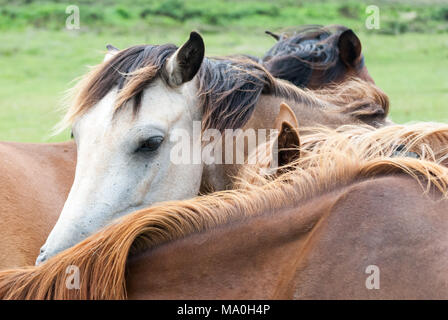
152	144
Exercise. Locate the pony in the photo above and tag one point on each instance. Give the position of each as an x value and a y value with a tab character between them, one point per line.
127	112
314	231
316	56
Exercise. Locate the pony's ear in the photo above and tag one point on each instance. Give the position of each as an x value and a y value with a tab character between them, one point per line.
273	35
349	48
288	140
285	114
110	48
111	51
183	65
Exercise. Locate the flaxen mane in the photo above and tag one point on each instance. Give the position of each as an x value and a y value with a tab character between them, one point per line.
425	141
102	257
359	99
297	54
228	88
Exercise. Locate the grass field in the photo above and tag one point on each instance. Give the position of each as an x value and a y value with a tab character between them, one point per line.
37	63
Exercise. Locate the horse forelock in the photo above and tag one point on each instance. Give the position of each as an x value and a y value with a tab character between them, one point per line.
130	70
332	158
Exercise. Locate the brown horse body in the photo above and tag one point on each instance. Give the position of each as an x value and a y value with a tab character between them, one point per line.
320	249
324	246
35	181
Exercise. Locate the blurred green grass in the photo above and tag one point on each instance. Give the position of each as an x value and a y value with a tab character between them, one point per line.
39	58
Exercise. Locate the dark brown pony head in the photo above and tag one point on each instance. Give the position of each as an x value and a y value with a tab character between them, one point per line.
316	56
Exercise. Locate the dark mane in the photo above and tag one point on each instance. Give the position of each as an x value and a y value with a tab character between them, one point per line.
297	54
143	62
229	90
117	71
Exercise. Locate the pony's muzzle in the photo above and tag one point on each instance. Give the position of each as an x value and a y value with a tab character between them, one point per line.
42	256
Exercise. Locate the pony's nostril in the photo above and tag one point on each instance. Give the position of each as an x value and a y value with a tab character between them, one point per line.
42	257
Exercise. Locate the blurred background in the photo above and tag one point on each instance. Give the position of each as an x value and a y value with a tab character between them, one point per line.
40	57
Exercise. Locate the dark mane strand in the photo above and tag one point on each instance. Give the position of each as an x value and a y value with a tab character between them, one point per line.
229	89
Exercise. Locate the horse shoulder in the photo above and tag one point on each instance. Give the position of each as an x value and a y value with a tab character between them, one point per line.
35	181
251	259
